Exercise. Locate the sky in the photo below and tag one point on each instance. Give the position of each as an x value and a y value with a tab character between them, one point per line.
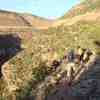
45	8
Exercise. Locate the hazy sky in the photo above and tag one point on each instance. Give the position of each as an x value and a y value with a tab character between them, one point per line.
44	8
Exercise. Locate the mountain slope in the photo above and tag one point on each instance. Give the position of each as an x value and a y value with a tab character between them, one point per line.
12	19
88	10
37	22
84	7
88	17
26	71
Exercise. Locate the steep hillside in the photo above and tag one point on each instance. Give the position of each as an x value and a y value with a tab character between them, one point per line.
88	17
11	19
14	19
83	8
27	66
37	22
29	74
88	10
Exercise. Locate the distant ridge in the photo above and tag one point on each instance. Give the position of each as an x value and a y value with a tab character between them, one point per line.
8	18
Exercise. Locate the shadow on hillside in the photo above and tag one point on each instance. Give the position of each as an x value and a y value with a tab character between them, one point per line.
29	98
88	84
9	47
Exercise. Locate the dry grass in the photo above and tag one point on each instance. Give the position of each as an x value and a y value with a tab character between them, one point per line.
26	69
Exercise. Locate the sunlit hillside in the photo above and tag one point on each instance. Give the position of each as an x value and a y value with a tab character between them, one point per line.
29	74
